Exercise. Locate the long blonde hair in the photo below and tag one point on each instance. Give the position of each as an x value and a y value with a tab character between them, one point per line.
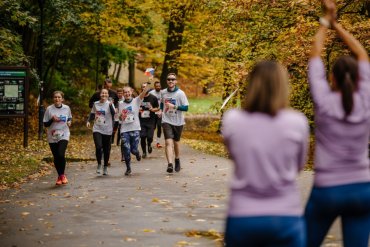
268	89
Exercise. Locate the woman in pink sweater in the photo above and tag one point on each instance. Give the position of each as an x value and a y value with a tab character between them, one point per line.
268	144
342	130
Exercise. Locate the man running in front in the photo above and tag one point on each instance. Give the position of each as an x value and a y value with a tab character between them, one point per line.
174	103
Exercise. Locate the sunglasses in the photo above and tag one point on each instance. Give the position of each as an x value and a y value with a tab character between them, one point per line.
171	79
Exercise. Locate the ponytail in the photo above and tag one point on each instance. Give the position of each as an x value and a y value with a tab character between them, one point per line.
345	72
347	90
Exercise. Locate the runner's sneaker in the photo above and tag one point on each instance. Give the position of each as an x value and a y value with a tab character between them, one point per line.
105	170
144	155
64	179
138	156
59	181
177	165
170	168
98	168
150	149
159	145
128	171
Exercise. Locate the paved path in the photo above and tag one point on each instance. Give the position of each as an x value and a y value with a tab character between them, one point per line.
150	208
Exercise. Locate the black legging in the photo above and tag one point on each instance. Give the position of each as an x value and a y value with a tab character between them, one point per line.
59	153
146	135
118	134
158	125
102	142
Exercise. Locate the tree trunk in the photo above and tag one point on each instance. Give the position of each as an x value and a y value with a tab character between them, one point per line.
29	42
131	72
174	41
114	70
118	72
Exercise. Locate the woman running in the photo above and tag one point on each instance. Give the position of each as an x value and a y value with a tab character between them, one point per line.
58	119
268	144
342	129
129	109
102	113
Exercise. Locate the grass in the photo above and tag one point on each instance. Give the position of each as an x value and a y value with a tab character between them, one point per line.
17	168
203	105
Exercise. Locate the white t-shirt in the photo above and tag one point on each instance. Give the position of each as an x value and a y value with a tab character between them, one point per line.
158	95
178	98
129	114
103	118
58	130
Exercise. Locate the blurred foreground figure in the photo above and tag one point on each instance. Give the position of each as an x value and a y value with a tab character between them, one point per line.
342	129
268	143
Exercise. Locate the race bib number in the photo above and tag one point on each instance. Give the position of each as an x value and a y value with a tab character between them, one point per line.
57	134
145	114
129	118
100	120
171	112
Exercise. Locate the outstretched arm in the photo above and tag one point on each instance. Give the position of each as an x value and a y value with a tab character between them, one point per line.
318	42
319	39
353	44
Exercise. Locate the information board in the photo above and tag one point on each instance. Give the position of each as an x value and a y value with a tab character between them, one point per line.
14	95
13	91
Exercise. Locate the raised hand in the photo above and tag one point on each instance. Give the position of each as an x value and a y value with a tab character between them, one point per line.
330	10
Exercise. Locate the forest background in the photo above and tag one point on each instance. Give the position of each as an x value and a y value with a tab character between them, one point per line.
211	44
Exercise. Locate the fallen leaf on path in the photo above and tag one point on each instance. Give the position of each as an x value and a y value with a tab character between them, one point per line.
148	230
200	220
25	213
212	234
127	239
182	243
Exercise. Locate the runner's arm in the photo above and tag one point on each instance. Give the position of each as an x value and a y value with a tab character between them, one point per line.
48	123
182	108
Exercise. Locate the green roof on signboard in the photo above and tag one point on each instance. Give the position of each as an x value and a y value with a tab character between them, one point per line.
9	73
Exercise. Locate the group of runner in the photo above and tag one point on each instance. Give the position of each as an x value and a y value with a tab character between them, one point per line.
133	118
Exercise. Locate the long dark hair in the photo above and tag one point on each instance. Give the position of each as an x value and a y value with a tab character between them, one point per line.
345	71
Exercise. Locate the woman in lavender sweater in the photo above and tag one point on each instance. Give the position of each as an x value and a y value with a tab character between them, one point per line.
342	129
268	144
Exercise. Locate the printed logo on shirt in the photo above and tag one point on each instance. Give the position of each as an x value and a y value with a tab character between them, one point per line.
127	110
127	115
100	117
63	118
170	100
100	112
